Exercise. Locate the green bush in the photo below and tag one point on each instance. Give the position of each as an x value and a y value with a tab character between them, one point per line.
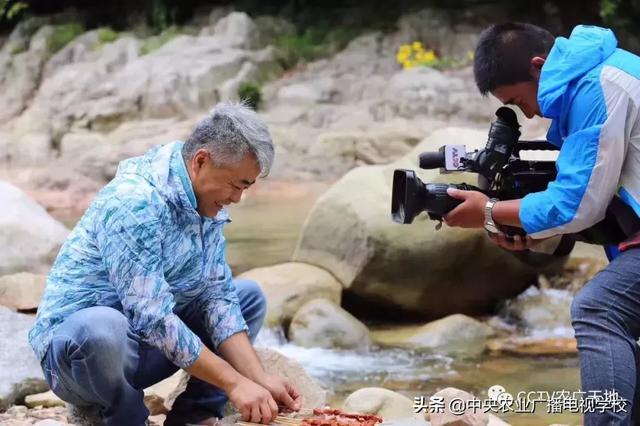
156	42
251	94
63	34
19	49
312	44
11	10
107	35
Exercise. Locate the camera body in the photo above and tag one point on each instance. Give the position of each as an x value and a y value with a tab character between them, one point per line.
501	172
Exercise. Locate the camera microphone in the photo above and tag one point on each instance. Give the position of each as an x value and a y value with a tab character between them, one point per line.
432	160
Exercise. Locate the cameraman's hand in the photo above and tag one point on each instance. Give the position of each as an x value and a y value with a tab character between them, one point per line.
253	401
469	214
518	243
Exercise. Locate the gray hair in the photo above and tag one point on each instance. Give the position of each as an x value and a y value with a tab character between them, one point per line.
229	133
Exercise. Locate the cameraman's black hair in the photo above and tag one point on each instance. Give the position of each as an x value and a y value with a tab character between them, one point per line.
504	52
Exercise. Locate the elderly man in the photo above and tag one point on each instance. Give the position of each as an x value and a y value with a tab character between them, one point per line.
141	287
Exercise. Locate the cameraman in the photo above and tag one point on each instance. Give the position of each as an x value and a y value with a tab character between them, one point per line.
591	90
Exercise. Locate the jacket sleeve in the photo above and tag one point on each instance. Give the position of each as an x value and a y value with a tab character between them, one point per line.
129	237
223	316
588	166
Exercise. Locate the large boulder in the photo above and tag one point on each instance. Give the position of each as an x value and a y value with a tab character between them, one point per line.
391	406
413	269
29	237
322	324
455	334
288	286
22	291
20	372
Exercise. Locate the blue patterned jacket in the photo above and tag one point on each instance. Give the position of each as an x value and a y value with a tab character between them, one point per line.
143	249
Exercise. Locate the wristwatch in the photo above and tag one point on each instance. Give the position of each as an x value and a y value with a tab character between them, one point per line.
489	224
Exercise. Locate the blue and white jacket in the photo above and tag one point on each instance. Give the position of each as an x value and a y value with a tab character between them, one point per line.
591	90
143	249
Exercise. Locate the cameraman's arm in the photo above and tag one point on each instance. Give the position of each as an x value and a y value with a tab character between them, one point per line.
589	164
507	213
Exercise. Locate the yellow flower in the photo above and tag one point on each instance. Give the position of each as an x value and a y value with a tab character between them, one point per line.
405	48
417	45
430	56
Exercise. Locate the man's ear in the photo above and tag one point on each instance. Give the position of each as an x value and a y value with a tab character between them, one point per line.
535	67
199	159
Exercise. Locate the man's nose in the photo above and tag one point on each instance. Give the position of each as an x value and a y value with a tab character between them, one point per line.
236	195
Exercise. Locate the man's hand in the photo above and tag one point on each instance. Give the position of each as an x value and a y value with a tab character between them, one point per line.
518	243
282	390
469	214
254	402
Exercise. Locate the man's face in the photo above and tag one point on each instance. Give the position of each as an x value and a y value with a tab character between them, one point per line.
218	186
523	95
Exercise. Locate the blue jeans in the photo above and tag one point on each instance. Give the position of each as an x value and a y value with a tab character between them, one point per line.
95	359
606	318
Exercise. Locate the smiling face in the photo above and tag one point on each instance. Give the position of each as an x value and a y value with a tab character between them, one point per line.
524	95
218	186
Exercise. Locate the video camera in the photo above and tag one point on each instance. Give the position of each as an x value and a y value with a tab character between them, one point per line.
501	172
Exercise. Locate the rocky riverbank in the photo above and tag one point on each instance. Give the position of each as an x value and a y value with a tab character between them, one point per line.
356	284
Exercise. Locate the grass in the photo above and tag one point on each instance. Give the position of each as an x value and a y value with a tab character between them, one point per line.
156	42
19	49
107	35
63	34
312	44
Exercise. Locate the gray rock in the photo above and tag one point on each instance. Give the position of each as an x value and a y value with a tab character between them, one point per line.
391	406
20	372
44	399
425	91
30	237
78	50
237	30
289	286
313	396
320	323
23	291
159	397
455	335
20	74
